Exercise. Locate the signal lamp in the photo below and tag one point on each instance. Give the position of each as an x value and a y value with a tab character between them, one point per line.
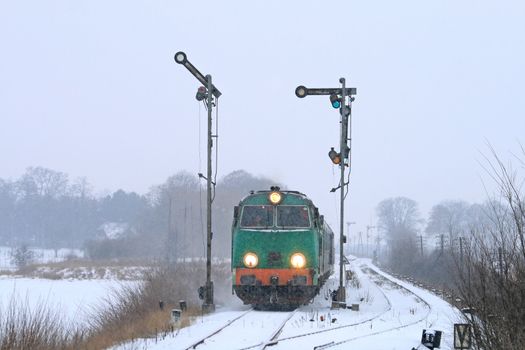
180	57
298	260
275	197
201	93
334	156
250	260
301	91
335	101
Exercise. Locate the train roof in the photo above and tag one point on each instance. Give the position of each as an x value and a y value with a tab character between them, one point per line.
276	188
285	191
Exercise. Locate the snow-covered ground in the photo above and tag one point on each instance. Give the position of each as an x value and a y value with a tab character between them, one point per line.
74	299
391	316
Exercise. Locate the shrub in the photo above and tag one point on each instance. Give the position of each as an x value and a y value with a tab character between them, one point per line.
22	256
36	327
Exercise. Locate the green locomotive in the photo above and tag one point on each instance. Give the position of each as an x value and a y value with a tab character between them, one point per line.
282	250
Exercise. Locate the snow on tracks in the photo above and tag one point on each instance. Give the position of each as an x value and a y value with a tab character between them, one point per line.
246	329
392	308
392	315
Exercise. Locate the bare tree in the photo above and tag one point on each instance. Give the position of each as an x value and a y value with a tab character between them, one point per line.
42	182
449	218
22	256
491	270
399	218
7	209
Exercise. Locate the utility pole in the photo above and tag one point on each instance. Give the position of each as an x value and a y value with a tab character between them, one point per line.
421	243
171	238
367	237
368	228
461	249
378	245
500	259
340	98
208	91
184	236
360	243
348	223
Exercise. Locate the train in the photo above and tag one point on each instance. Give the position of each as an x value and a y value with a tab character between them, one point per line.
282	249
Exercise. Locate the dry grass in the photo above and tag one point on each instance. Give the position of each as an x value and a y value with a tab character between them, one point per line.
154	324
131	313
37	327
127	314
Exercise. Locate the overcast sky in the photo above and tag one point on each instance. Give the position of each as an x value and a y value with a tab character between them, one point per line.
90	88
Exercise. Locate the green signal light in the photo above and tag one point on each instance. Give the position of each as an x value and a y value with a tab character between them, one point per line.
335	101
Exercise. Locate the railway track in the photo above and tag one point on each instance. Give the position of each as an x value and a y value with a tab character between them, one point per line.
249	324
388	309
218	330
278	331
384	278
272	339
275	340
336	331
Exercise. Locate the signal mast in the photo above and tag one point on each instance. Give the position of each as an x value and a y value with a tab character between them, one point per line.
340	98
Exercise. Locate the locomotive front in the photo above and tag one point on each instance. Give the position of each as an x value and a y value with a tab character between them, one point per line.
280	249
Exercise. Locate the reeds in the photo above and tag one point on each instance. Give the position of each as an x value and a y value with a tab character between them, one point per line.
126	314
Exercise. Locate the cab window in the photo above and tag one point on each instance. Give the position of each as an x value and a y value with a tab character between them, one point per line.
293	216
257	216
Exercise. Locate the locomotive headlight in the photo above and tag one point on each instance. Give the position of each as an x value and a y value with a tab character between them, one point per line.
250	260
275	197
298	260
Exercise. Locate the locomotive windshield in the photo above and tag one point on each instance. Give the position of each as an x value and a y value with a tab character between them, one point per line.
257	216
288	216
293	216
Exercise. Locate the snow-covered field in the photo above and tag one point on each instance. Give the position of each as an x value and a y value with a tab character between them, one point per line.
76	291
74	299
391	316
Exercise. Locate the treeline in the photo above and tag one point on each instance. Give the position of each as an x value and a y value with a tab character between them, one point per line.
409	242
477	251
44	208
